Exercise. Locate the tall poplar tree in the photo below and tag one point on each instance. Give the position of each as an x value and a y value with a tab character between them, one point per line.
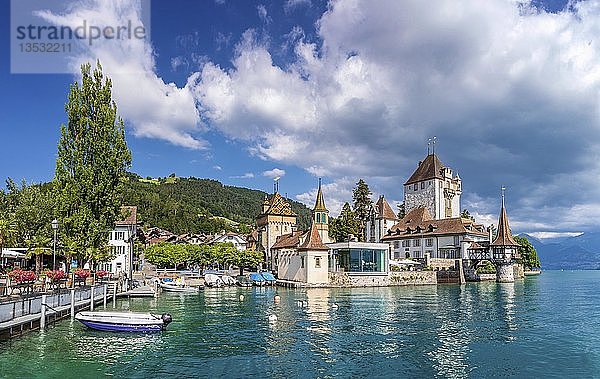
92	161
362	204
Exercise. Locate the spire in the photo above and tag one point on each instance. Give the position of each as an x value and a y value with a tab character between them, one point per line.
320	203
504	237
313	240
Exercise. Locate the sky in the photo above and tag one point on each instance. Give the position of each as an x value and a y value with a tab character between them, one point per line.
246	91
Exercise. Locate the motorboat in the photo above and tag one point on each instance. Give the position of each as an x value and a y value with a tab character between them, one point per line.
177	285
257	279
228	280
243	281
124	321
269	278
213	280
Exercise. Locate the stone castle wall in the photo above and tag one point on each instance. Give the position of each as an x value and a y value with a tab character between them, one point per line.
401	278
420	198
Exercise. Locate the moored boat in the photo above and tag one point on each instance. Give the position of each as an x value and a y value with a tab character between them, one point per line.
213	280
243	281
257	279
172	287
269	278
124	321
228	280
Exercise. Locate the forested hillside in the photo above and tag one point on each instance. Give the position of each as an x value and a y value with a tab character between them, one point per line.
194	205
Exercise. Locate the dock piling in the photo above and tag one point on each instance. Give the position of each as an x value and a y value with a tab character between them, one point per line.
91	298
104	295
114	295
72	303
43	314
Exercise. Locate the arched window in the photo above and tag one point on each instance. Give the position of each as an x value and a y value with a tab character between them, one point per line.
318	217
324	218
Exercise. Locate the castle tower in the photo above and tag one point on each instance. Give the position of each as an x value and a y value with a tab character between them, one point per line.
504	249
321	216
433	186
381	219
276	219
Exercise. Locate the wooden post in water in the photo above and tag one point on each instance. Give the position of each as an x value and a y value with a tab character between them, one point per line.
92	298
72	303
114	295
43	316
104	297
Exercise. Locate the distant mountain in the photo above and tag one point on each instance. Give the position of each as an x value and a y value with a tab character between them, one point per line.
571	253
183	205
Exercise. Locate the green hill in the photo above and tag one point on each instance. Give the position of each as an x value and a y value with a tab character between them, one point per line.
194	205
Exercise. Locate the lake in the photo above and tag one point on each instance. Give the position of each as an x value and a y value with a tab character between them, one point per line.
544	326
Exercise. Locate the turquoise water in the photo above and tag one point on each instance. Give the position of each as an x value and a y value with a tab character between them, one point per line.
545	326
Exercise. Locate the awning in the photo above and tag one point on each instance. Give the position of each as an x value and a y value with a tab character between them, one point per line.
7	253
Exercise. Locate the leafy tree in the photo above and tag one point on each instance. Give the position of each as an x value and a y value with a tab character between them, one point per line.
91	164
361	196
8	231
245	258
38	246
465	214
401	210
529	256
345	224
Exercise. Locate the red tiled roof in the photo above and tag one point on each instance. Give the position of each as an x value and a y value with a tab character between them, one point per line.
129	213
313	241
419	221
290	240
384	210
430	168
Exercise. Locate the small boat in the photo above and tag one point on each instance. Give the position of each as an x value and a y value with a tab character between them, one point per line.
228	280
172	287
269	278
124	321
257	279
213	280
243	281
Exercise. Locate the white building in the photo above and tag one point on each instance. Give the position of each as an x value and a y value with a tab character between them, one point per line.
237	240
381	219
121	240
434	187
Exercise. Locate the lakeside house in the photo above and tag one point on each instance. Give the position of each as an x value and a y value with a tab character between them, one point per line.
121	241
236	239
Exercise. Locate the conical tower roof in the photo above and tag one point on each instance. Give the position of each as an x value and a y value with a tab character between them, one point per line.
320	203
504	237
313	240
430	168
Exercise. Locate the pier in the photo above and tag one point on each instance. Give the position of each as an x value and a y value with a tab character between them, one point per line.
34	311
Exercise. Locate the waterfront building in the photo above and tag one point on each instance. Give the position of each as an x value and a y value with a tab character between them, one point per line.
275	220
504	248
121	242
419	235
381	219
303	256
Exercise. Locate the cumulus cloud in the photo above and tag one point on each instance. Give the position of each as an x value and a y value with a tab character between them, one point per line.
275	173
263	14
153	108
510	91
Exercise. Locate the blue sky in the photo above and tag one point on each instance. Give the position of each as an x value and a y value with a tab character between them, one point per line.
351	89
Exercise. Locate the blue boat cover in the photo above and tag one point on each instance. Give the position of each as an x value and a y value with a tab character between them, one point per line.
256	277
268	276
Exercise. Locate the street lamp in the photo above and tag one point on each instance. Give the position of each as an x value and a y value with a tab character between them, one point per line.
55	228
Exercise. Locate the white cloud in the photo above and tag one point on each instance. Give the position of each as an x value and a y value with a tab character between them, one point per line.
247	175
291	5
275	173
153	108
335	195
545	235
218	168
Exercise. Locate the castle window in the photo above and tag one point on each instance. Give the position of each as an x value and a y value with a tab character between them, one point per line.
324	218
415	186
417	243
405	243
302	262
318	217
317	262
422	185
429	242
396	244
